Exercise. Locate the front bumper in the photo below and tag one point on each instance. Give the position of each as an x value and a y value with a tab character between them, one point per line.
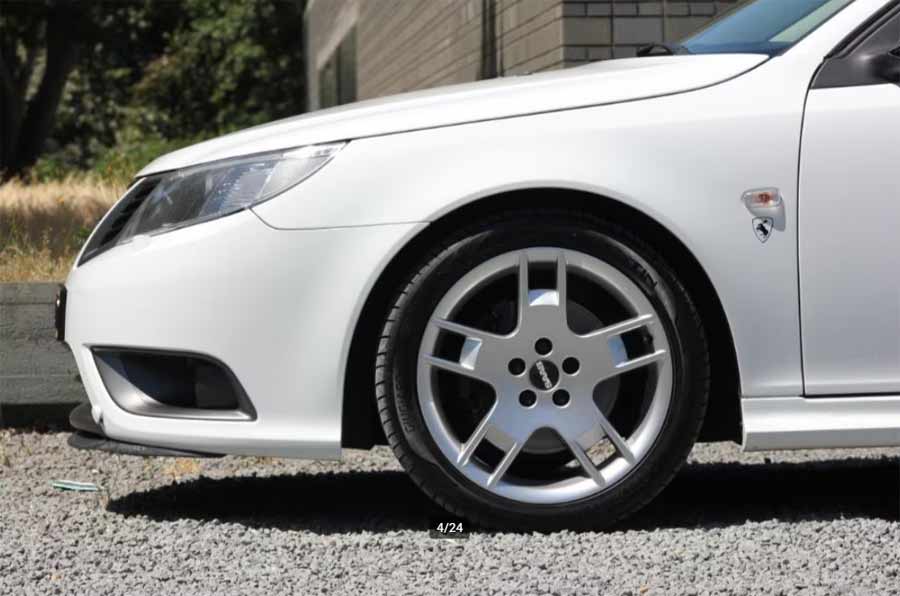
278	307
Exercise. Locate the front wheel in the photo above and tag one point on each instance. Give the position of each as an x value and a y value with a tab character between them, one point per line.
542	372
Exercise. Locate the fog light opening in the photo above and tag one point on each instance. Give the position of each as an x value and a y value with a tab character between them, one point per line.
172	384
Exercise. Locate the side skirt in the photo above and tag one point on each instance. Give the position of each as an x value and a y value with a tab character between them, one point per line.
772	423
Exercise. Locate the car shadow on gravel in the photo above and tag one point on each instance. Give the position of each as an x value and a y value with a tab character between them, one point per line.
702	495
723	494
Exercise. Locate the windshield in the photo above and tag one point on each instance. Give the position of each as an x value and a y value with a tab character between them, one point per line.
763	26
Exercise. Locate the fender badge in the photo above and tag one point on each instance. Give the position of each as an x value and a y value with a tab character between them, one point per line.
762	227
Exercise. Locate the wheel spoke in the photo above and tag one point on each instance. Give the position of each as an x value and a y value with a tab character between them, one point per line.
639	362
464	330
465	454
505	463
586	463
621	328
523	286
562	279
615	438
454	367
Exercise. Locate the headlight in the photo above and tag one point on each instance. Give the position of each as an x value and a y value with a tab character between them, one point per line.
213	190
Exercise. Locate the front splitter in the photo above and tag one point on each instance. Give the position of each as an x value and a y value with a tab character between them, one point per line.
88	435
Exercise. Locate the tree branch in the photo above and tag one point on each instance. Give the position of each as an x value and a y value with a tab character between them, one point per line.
24	75
10	118
63	27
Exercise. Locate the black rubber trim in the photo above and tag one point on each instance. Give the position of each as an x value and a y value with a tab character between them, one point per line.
80	419
87	441
858	35
59	314
88	435
862	58
107	232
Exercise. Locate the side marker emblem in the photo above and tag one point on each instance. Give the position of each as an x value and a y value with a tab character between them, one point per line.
762	227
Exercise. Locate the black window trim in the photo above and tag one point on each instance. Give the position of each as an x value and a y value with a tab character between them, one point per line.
848	64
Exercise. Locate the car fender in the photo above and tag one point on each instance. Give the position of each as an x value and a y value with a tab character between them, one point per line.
682	160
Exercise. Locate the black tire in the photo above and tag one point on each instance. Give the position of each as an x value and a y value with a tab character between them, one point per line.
395	371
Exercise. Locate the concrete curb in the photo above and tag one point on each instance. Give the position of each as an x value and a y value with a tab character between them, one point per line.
38	376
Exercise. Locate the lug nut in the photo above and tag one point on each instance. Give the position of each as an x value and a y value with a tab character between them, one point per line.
543	346
527	398
570	366
516	366
561	398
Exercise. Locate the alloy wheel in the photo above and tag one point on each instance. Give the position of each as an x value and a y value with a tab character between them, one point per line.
554	385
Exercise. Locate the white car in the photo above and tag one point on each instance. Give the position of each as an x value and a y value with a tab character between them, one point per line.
540	291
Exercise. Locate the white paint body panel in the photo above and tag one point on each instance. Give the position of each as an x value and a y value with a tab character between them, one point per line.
821	423
849	264
600	83
698	146
275	293
277	307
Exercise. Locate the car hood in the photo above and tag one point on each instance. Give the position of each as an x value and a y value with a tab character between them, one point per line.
600	83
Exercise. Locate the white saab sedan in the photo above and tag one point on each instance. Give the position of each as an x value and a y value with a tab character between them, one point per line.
540	291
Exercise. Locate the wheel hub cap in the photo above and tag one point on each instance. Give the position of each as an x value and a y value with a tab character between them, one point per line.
544	375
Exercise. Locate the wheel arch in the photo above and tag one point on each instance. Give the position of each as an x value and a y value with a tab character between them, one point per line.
360	426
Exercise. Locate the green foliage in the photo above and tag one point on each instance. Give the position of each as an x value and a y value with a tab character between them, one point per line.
228	65
53	166
121	162
155	76
116	164
98	94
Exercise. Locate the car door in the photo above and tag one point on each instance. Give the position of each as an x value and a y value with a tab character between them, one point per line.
849	217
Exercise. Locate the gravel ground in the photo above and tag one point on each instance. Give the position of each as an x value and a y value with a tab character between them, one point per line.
813	522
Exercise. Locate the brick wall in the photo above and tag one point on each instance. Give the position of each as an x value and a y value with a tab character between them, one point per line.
529	36
415	44
601	29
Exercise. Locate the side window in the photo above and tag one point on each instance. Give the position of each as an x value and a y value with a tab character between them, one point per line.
871	58
337	77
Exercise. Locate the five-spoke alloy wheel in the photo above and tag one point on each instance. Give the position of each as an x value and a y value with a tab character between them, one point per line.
542	373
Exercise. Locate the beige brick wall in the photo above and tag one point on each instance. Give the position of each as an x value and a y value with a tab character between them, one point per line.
601	29
529	36
326	22
412	44
415	44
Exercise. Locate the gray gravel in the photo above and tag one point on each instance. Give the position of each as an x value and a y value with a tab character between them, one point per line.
791	523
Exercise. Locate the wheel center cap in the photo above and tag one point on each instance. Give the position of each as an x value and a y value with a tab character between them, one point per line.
544	375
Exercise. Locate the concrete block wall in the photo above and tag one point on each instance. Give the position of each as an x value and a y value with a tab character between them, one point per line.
416	44
601	29
404	45
35	370
326	23
529	36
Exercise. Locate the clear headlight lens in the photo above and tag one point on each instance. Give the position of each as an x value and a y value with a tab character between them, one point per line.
213	190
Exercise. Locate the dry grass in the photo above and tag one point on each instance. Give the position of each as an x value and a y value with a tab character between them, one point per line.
42	225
